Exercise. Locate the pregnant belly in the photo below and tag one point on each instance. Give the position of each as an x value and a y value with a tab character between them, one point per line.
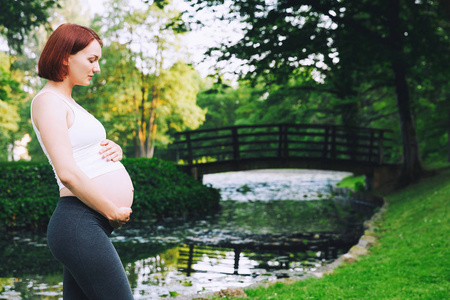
117	187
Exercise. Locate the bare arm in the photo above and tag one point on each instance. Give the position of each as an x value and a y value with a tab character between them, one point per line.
50	116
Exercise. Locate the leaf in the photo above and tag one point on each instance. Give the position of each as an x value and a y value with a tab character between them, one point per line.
173	294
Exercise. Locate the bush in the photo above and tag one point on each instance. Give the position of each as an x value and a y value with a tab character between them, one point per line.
356	183
29	193
161	190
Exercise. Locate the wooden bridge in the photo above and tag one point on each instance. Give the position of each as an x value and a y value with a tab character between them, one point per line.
278	146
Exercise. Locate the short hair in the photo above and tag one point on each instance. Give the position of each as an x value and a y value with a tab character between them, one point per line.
66	40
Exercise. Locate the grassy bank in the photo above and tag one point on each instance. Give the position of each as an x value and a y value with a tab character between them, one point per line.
355	183
410	261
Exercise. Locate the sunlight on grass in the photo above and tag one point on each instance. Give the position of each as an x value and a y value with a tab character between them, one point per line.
355	183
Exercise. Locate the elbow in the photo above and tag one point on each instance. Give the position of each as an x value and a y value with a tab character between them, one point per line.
66	181
67	178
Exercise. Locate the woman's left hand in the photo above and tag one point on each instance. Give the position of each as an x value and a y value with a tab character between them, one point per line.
111	151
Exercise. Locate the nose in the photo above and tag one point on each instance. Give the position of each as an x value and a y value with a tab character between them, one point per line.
96	68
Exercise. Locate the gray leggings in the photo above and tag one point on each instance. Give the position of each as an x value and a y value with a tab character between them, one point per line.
79	238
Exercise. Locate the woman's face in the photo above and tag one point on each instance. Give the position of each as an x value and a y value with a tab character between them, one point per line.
84	64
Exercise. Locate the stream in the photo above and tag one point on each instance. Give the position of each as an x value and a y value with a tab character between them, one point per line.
272	224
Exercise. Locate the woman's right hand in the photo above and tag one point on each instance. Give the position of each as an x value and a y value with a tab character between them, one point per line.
121	218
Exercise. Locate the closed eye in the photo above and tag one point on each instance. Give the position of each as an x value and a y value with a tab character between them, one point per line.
93	59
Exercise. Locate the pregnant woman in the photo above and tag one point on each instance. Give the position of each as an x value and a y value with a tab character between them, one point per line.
96	192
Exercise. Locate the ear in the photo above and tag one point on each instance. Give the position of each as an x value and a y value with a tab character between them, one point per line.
66	61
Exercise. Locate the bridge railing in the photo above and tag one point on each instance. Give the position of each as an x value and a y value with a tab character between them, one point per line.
281	141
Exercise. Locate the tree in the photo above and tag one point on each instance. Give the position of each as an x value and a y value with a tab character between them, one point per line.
148	91
10	99
221	102
17	18
349	43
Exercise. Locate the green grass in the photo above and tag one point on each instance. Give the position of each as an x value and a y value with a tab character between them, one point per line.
436	165
355	183
411	260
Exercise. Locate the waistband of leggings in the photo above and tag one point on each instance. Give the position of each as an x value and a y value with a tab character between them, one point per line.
72	200
75	202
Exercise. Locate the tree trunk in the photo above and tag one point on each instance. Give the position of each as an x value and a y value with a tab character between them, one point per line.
347	109
448	134
151	130
152	126
136	144
139	136
151	146
412	167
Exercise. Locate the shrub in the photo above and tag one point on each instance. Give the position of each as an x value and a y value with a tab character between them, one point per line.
29	193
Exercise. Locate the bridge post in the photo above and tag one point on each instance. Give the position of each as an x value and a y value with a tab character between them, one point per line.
371	146
333	142
235	139
325	142
283	148
189	148
380	147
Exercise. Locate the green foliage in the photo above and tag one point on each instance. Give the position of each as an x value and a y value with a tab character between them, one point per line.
356	183
161	190
17	18
28	193
179	87
222	102
9	110
266	104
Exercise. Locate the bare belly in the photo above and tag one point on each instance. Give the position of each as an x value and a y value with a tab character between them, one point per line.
116	185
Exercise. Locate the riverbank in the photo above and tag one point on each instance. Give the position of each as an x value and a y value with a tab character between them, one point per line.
410	259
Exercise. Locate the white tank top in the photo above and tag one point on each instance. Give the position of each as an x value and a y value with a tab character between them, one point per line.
85	135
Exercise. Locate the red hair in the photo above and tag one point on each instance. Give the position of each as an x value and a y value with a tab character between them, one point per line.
68	39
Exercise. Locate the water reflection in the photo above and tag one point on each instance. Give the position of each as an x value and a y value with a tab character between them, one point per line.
246	242
194	269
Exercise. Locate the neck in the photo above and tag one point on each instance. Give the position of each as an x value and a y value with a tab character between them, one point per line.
62	87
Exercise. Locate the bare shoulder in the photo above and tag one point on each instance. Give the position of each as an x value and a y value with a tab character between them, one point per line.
48	100
48	106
